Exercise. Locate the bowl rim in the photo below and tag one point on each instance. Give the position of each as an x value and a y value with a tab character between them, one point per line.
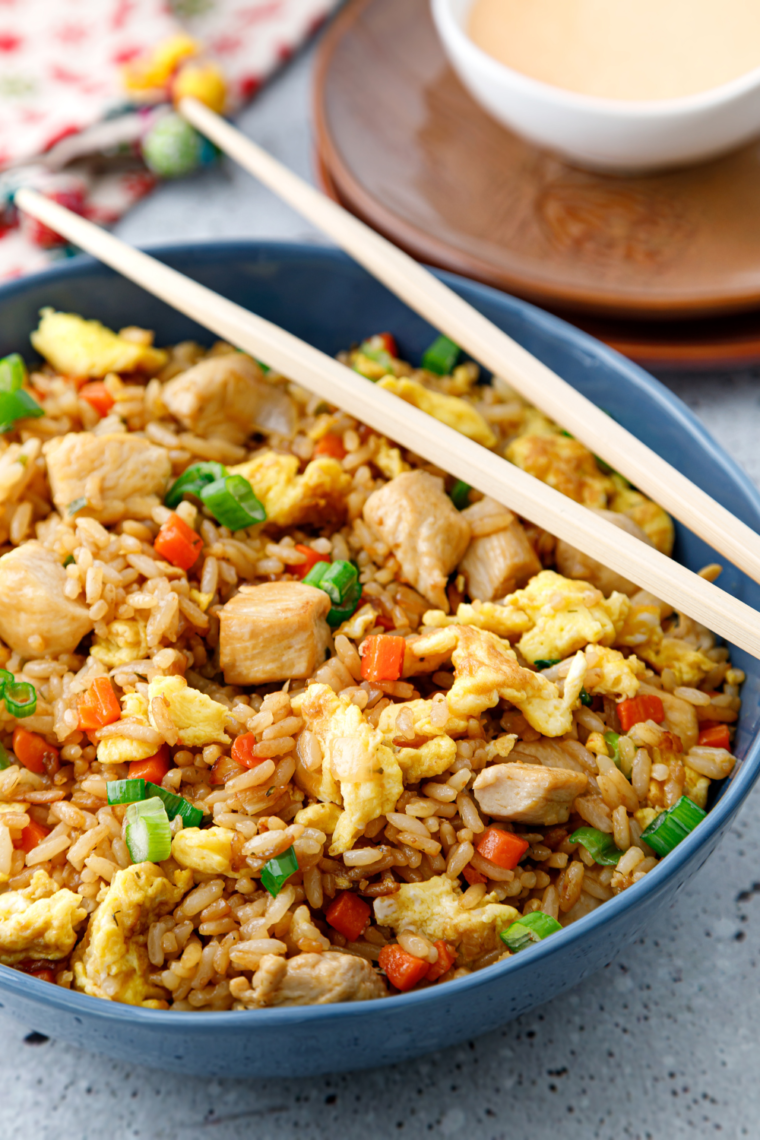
80	1005
612	109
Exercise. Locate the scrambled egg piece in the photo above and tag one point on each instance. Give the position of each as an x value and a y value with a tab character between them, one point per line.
119	749
696	787
565	464
429	756
646	815
566	614
502	620
359	624
434	908
127	641
76	347
112	961
486	671
388	460
689	665
652	519
423	726
450	410
500	748
430	759
358	770
199	719
641	624
291	499
620	675
39	921
208	850
322	816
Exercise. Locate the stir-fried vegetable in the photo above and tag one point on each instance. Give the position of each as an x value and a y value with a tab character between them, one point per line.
312	558
147	833
276	872
402	969
15	403
612	740
332	446
348	914
441	356
125	791
232	502
99	706
34	752
340	581
672	826
460	494
5	760
192	481
178	543
446	959
714	736
528	929
546	662
20	699
635	710
502	847
135	791
32	835
601	847
98	397
383	657
153	768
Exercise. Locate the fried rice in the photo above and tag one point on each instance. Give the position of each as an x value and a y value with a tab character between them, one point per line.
370	798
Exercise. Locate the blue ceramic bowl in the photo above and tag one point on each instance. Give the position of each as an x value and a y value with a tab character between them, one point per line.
323	297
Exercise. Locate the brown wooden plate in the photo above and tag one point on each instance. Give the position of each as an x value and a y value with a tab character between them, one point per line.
406	148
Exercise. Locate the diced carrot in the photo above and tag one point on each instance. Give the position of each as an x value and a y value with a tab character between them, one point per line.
446	959
312	558
99	706
402	969
348	914
242	751
472	876
154	768
389	343
178	543
38	969
224	769
32	835
634	710
331	445
502	847
385	622
97	395
34	752
383	658
716	736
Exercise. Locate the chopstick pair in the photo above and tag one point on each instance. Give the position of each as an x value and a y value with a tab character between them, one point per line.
414	429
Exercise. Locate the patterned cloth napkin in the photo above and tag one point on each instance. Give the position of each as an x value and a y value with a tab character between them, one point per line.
85	97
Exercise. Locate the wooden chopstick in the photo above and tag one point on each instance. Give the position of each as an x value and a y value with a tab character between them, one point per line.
452	315
412	428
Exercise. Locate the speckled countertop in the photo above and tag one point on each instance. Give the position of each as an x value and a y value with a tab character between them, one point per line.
663	1044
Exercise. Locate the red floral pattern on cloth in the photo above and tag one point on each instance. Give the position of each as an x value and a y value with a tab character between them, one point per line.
61	79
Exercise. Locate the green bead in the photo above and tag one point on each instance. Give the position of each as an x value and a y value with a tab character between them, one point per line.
172	148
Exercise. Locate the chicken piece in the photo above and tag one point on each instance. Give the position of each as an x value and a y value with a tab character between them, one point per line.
574	563
228	398
417	520
36	617
649	516
39	921
486	671
450	410
273	632
112	960
118	475
610	674
358	770
208	850
316	497
77	347
528	793
121	749
198	719
127	641
689	665
434	908
565	464
314	979
499	557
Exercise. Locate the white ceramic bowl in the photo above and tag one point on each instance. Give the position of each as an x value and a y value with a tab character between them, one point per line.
604	134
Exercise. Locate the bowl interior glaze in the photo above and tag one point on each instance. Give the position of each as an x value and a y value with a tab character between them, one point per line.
323	297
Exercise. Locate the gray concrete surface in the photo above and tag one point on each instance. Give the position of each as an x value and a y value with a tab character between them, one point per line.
661	1045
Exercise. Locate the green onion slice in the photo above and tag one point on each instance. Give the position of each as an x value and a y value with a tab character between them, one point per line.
275	873
17	405
6	678
460	494
76	505
585	698
442	356
176	805
340	581
612	740
232	502
20	699
530	928
5	760
339	614
600	846
192	481
379	355
125	791
672	826
69	560
147	832
12	373
546	662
